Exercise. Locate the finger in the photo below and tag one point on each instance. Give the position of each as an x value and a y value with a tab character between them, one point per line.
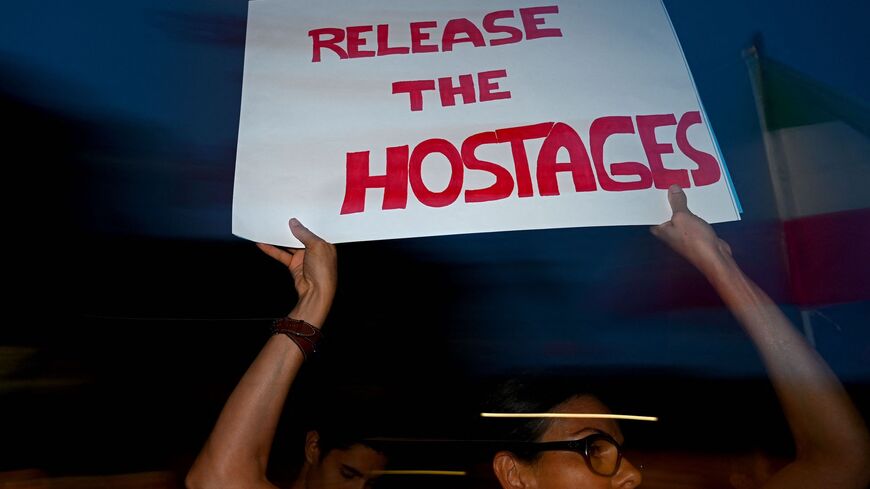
302	233
276	253
677	199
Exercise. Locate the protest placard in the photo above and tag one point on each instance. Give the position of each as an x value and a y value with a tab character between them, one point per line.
376	120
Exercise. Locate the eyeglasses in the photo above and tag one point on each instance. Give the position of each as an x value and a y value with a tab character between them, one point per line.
601	452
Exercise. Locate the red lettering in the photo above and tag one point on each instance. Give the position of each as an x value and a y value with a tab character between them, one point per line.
355	42
708	171
317	43
454	186
646	128
384	48
418	36
454	28
404	165
448	92
563	136
394	182
514	34
601	129
486	86
504	183
531	22
415	89
456	31
517	137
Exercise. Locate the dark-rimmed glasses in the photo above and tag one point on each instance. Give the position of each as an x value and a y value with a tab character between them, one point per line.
601	452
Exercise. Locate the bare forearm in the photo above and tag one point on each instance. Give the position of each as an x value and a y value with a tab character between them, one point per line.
825	424
831	439
238	448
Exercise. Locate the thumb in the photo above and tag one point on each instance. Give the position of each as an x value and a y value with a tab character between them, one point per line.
302	233
677	199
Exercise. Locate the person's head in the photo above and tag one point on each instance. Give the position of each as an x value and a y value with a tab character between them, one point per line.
339	462
592	458
342	424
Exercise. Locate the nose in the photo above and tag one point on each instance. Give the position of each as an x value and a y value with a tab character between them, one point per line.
628	476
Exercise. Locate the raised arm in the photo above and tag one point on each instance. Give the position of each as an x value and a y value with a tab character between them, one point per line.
237	451
832	442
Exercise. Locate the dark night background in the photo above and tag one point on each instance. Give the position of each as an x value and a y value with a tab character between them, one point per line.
132	310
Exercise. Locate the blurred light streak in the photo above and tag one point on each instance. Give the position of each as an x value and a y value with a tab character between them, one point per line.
420	472
569	415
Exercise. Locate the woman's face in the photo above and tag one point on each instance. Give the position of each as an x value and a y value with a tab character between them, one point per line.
568	470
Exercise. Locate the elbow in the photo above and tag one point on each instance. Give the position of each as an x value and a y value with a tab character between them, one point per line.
856	473
195	480
198	478
860	461
855	459
844	468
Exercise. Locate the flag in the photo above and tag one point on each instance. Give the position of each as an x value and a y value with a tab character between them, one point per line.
818	149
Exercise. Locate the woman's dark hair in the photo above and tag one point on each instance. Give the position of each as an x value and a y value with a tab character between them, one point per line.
525	394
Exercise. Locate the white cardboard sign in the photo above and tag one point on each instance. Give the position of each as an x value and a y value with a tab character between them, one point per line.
380	119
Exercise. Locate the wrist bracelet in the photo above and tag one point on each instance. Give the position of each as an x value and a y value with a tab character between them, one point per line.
306	336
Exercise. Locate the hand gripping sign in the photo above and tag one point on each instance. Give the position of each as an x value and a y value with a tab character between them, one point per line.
376	120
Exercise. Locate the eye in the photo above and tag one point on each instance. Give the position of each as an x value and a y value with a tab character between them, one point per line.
347	475
600	448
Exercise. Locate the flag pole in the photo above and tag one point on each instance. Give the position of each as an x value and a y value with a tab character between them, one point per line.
776	164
